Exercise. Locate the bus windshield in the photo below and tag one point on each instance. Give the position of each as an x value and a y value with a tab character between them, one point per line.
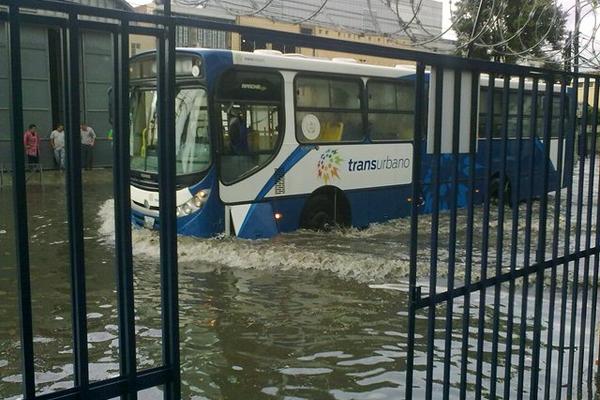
191	131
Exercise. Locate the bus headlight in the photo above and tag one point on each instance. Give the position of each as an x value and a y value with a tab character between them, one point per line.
200	198
194	204
187	209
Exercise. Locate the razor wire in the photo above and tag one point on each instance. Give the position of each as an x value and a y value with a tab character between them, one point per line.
404	23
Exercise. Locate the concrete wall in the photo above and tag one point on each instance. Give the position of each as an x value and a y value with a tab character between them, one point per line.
96	78
35	71
4	102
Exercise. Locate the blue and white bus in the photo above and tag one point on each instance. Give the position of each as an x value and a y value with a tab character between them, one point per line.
270	142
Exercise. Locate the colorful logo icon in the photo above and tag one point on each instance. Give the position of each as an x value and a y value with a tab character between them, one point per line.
328	166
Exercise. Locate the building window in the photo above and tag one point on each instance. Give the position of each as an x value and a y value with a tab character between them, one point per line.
182	36
135	47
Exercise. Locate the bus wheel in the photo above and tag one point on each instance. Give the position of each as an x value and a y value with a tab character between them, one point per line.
318	214
323	211
495	191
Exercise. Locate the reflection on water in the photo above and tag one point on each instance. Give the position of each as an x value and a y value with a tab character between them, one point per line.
304	315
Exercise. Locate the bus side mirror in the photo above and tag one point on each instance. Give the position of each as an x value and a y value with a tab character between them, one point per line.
110	105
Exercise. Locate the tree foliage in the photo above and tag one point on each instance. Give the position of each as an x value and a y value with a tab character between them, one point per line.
510	30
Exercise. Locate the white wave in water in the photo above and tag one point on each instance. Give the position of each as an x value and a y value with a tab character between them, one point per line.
380	253
297	251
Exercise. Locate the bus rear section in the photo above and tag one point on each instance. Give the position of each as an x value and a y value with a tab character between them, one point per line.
508	150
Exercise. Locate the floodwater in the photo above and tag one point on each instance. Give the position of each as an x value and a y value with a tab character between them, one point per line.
301	316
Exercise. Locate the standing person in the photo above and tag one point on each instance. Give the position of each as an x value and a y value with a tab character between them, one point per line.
31	140
238	133
88	139
57	141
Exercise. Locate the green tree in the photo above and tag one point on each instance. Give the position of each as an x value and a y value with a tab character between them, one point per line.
510	30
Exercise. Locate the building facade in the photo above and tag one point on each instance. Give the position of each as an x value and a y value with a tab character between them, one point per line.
43	85
351	20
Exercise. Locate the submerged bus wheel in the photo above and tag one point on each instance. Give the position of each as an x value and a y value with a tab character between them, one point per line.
326	209
505	192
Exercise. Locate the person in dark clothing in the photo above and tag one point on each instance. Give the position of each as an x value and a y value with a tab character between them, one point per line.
238	133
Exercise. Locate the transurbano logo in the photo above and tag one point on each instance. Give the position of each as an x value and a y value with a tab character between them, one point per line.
328	166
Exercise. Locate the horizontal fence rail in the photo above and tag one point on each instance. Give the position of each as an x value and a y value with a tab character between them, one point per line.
505	293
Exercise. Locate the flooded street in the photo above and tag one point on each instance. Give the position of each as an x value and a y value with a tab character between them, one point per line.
302	316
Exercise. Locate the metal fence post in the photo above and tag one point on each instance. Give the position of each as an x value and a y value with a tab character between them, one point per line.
75	204
20	203
435	184
123	241
416	194
167	205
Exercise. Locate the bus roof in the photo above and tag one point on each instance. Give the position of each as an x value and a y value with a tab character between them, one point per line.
300	62
346	66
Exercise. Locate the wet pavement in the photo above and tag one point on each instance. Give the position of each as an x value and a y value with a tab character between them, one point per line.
301	316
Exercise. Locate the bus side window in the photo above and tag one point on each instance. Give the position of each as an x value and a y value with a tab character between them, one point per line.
391	108
328	109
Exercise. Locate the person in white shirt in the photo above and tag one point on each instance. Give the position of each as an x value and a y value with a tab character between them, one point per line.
88	139
57	141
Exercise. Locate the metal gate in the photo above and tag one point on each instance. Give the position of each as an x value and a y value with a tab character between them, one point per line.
71	19
510	311
506	293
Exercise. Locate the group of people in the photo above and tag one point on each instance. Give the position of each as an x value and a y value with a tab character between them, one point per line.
31	140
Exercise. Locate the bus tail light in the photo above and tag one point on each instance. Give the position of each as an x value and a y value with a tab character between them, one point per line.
278	216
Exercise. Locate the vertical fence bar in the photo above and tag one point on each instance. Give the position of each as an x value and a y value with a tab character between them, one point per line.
452	236
75	205
578	223
541	245
469	234
414	221
500	234
485	234
122	195
571	136
527	242
20	203
588	239
597	245
555	236
167	205
515	239
435	186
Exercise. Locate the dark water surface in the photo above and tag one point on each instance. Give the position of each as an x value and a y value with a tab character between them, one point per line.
302	316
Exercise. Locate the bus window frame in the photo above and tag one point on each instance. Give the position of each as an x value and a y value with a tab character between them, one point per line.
394	81
361	109
217	123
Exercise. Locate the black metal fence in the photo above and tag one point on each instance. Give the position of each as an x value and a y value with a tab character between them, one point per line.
71	18
509	309
518	290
